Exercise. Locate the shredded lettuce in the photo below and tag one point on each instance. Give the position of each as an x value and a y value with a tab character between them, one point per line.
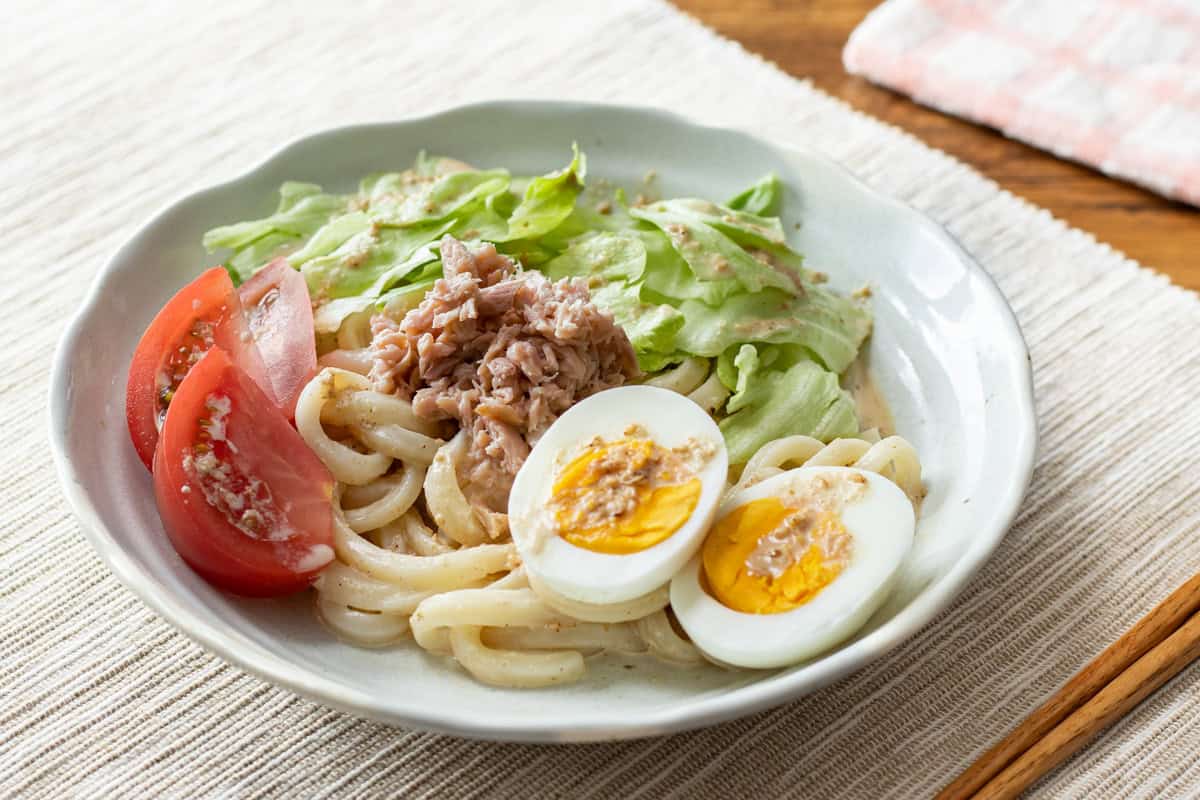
684	277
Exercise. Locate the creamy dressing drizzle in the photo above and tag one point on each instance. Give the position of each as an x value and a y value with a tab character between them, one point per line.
809	501
872	408
615	491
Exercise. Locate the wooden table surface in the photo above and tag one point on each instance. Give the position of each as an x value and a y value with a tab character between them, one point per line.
806	37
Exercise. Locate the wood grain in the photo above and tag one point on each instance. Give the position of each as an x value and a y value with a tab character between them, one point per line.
1154	628
806	37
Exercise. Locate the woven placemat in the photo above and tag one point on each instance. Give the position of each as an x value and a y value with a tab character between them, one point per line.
109	111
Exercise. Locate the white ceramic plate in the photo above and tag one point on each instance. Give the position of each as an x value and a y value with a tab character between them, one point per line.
946	351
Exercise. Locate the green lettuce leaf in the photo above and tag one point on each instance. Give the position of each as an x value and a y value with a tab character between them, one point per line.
432	200
328	317
746	365
651	327
599	207
424	171
727	372
249	259
548	200
670	278
741	226
833	327
683	277
330	237
406	294
710	253
304	208
371	262
804	399
482	220
610	256
653	362
764	198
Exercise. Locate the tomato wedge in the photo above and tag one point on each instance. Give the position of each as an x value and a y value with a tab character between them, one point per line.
243	499
204	314
279	313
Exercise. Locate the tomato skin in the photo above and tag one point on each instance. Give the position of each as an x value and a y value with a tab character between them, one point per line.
279	312
168	345
254	442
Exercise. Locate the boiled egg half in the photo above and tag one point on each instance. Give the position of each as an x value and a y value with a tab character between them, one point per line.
615	498
794	565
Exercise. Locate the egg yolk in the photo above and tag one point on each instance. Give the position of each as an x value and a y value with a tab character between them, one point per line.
766	558
623	496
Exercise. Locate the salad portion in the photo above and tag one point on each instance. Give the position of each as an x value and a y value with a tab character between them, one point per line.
526	420
686	278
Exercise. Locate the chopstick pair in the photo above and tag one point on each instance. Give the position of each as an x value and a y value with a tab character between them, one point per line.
1148	655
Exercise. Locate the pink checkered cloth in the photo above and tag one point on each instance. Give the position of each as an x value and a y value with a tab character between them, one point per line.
1110	83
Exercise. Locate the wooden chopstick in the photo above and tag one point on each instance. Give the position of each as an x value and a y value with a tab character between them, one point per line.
1111	703
1146	656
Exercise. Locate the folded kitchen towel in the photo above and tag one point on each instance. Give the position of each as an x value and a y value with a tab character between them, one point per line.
1110	83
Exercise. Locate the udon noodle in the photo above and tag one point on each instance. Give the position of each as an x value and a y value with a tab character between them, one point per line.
415	558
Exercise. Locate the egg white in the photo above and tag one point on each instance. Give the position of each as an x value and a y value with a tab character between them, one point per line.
882	524
584	576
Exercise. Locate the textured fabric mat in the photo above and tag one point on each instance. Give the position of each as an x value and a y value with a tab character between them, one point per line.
109	112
